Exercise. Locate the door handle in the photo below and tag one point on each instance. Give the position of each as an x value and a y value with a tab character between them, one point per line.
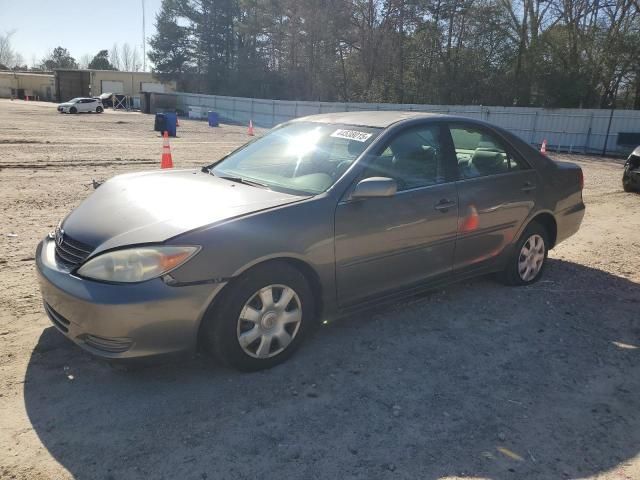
528	186
444	205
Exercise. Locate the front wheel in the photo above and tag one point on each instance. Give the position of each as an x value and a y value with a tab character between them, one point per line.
73	110
99	110
262	319
526	264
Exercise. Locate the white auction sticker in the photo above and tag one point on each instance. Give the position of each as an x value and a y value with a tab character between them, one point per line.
352	135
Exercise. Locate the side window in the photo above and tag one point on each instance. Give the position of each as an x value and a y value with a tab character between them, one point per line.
480	154
414	158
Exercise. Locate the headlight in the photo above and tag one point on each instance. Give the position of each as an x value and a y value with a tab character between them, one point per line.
136	264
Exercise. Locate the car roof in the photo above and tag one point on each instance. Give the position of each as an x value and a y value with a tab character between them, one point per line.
373	118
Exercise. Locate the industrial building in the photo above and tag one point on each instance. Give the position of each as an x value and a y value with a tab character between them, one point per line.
90	83
63	85
40	86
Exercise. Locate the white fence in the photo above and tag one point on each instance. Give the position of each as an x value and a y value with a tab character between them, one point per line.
565	129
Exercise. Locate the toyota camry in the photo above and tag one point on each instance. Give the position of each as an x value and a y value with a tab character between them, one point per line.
321	216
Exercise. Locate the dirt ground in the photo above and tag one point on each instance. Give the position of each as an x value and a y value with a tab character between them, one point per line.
473	381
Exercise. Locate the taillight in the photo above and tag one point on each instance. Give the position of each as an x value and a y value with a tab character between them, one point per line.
581	179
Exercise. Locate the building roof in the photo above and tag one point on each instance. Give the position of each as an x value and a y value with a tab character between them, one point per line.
380	119
95	70
18	73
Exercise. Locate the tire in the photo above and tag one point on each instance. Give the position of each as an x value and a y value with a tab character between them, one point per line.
223	326
99	110
73	110
515	273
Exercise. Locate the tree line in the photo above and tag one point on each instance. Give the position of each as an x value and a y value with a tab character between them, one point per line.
553	53
119	57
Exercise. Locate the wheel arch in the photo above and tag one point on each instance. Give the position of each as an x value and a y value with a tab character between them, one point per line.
548	221
310	274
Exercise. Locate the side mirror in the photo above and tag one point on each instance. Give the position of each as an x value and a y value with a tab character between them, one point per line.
375	187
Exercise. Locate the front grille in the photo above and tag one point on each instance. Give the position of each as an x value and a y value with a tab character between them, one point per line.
57	319
70	252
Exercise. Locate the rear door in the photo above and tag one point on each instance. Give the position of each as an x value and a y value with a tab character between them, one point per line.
496	192
389	243
85	105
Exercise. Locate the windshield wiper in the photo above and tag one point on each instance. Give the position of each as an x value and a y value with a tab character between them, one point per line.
244	181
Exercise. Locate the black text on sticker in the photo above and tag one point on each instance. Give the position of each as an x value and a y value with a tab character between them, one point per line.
352	135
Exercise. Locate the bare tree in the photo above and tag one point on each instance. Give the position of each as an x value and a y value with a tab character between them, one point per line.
85	60
114	56
7	55
127	57
18	62
136	62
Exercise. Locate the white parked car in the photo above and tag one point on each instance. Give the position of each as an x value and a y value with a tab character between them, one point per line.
81	104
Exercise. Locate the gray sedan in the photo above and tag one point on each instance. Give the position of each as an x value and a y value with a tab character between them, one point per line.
321	216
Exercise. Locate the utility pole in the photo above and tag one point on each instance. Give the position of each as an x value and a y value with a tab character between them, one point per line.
144	42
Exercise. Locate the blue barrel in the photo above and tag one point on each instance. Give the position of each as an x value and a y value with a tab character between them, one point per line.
213	119
171	123
160	123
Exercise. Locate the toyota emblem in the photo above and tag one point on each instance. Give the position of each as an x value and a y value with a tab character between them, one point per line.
59	237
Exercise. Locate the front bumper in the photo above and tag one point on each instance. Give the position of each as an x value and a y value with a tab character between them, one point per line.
121	320
632	177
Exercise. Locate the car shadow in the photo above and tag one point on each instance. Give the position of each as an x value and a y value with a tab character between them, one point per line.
476	380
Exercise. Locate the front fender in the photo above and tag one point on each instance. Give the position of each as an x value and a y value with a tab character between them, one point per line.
302	231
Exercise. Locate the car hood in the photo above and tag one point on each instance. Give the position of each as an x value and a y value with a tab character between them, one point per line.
152	207
66	104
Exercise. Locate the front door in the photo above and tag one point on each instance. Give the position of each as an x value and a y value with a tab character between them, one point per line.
496	191
389	243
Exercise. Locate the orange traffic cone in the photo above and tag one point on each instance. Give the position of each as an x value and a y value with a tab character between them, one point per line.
167	161
543	147
250	132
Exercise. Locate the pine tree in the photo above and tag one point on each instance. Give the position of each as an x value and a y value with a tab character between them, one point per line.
172	50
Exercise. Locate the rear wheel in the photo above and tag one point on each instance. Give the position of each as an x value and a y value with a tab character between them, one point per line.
73	110
99	110
526	264
262	319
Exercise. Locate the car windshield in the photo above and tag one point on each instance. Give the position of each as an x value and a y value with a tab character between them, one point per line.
74	100
303	158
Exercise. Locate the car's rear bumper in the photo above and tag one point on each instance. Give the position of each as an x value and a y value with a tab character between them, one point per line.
569	221
121	320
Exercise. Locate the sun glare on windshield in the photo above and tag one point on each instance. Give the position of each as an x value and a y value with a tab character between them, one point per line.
304	143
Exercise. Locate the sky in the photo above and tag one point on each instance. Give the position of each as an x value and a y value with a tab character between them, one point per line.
80	26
